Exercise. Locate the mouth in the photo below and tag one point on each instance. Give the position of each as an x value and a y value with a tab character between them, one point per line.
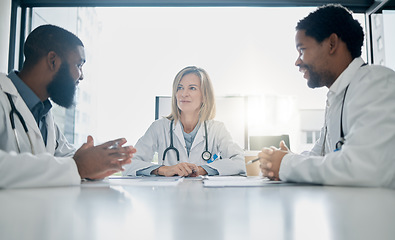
304	71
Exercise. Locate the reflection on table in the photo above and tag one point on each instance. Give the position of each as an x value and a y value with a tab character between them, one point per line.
190	211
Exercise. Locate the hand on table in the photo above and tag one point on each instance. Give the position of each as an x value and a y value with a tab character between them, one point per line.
183	169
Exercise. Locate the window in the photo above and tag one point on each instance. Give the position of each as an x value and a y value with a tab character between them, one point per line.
311	136
380	43
245	52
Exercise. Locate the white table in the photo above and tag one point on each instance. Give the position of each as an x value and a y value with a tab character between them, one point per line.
190	211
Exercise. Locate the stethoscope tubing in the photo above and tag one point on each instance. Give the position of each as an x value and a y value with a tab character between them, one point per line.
13	112
206	155
171	147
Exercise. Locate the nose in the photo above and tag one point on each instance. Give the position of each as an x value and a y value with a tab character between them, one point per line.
298	62
81	76
185	92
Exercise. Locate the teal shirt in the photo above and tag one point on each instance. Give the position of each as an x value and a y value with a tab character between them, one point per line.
189	137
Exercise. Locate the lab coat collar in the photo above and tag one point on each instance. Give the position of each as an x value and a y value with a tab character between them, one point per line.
200	135
7	86
345	77
177	130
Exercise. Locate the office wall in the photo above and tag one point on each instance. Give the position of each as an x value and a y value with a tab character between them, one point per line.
5	16
389	38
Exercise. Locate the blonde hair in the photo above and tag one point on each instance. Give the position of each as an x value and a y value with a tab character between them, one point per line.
207	110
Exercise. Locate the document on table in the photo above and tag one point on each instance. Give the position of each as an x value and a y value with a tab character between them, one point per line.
237	181
136	181
146	181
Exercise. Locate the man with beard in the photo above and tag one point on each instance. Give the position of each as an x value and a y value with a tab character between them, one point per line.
33	151
357	141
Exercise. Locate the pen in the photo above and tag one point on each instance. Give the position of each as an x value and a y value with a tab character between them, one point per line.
193	172
252	161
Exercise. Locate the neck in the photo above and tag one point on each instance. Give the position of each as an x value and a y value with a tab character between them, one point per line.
189	121
341	61
35	82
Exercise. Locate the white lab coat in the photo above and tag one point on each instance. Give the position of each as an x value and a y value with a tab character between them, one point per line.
157	139
51	165
368	156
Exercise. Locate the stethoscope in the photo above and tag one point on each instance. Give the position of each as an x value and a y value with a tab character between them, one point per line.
13	112
340	143
206	155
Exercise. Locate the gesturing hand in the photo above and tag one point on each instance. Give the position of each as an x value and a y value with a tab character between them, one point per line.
96	162
270	160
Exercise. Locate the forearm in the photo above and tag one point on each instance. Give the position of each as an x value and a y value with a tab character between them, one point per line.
207	170
42	170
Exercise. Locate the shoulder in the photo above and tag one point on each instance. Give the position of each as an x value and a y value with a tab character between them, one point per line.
160	123
3	76
374	73
373	78
215	125
6	83
6	86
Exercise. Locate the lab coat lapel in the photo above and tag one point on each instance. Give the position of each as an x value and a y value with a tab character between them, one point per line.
200	136
20	105
51	138
177	130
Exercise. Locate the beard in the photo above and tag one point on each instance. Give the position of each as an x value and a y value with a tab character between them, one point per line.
314	80
318	79
62	88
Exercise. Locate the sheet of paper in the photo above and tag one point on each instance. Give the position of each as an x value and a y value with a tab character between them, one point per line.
135	181
146	181
237	181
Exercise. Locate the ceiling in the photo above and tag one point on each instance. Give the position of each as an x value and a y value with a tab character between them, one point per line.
358	6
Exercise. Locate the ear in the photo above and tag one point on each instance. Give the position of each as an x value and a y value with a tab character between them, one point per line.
333	43
53	61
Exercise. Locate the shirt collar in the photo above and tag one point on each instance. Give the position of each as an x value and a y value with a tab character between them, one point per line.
345	77
191	134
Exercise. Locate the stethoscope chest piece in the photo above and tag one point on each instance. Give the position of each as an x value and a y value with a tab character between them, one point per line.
206	155
339	144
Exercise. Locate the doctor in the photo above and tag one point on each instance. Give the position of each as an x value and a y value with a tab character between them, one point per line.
188	142
33	151
356	145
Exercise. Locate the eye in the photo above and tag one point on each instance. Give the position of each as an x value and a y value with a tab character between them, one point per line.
179	88
193	88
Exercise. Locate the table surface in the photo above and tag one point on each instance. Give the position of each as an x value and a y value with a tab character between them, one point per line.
191	211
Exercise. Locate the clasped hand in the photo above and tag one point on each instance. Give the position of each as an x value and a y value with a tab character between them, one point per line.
183	169
270	160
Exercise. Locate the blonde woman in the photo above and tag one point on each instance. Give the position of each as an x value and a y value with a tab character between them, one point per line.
188	142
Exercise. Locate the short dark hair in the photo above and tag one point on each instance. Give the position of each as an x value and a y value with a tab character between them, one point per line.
46	38
334	18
